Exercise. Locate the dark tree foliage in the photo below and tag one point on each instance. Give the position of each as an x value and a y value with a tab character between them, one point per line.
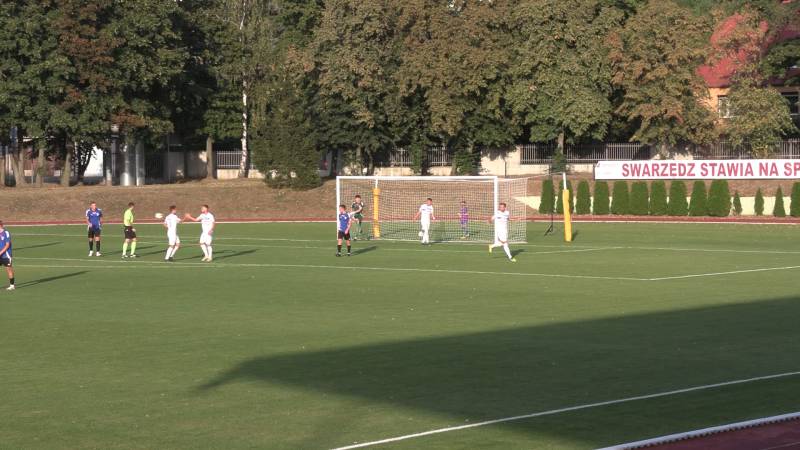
658	198
600	203
620	199
698	204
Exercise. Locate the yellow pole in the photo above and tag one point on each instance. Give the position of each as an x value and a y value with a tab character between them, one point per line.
567	213
376	225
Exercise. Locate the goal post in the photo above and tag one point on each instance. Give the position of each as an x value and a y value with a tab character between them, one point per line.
462	206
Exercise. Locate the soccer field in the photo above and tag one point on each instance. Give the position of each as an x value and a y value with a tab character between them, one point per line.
278	344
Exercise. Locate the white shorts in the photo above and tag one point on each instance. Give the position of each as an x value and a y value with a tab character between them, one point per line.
426	225
205	238
501	235
173	239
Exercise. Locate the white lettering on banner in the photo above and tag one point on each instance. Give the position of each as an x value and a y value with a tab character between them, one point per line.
779	169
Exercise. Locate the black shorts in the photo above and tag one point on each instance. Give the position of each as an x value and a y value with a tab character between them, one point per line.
129	233
94	232
343	235
5	262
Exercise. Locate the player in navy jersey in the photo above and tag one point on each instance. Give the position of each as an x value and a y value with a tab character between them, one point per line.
343	230
5	255
463	219
94	223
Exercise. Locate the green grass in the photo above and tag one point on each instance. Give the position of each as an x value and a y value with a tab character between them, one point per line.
278	344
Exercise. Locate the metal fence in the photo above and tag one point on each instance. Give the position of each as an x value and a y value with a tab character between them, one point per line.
585	153
788	149
230	159
436	157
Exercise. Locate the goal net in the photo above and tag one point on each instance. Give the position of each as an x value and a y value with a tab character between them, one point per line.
462	206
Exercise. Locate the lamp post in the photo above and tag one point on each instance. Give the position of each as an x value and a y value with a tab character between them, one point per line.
111	167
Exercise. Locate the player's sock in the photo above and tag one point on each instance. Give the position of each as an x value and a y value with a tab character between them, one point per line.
91	246
348	249
205	251
174	250
508	251
97	244
169	253
210	252
338	248
124	248
11	281
133	248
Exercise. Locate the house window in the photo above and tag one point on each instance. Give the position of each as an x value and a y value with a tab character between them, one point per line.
724	107
792	98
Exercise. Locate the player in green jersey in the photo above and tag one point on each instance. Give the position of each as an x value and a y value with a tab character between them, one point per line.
357	210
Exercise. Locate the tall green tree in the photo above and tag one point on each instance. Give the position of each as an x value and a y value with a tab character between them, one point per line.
655	57
560	86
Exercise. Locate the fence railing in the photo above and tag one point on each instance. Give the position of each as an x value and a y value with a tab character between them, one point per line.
230	159
436	157
585	153
788	149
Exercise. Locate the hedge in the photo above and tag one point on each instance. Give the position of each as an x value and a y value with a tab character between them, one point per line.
698	205
583	202
677	199
794	208
759	203
719	199
640	199
560	201
737	204
548	197
620	199
658	198
780	210
600	205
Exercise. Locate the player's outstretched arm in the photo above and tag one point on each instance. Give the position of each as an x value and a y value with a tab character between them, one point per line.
188	216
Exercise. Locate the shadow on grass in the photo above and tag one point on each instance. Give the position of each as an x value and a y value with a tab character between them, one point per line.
508	372
226	254
28	247
32	283
361	251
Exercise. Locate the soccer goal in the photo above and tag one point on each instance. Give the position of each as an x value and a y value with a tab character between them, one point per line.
462	206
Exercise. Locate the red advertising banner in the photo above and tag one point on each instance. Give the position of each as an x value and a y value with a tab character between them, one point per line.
738	169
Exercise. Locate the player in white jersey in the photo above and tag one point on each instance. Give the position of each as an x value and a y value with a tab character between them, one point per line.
500	219
425	215
171	224
207	222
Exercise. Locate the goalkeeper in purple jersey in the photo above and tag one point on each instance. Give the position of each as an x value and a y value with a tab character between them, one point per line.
463	219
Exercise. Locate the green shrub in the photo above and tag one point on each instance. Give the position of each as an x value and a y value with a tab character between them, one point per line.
737	204
678	206
620	199
759	203
698	204
560	201
583	201
640	199
794	207
548	197
780	210
658	198
719	199
600	204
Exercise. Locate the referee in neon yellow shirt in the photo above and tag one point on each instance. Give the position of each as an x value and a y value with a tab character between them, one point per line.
130	233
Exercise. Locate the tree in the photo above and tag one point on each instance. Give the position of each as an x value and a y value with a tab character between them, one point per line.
737	204
758	206
600	202
640	202
655	57
547	204
286	151
560	84
620	199
658	198
583	202
677	199
794	207
719	199
780	209
760	118
698	204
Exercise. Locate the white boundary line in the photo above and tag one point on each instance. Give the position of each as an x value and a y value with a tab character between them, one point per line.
715	274
705	432
569	409
162	264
